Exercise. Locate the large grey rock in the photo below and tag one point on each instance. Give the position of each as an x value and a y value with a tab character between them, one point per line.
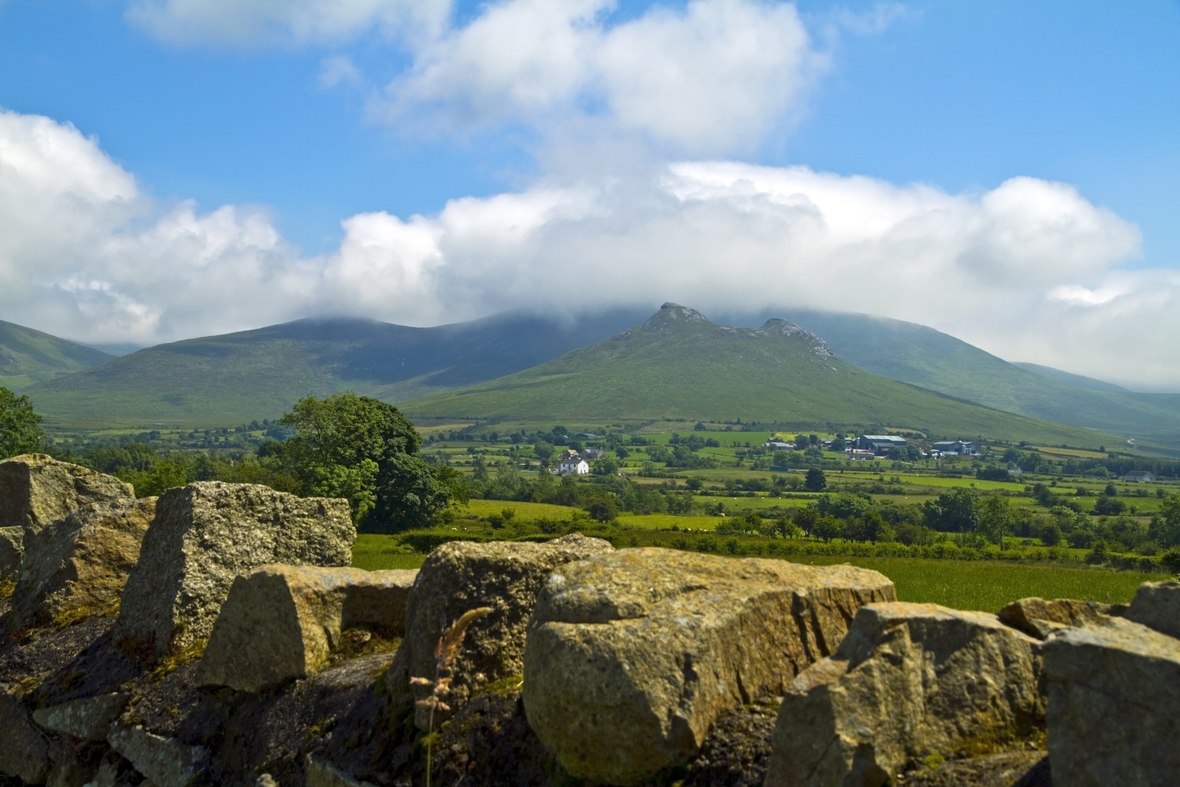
1114	706
1157	606
1040	618
461	576
282	622
37	490
12	550
632	656
908	681
79	565
207	533
88	718
167	762
319	773
24	751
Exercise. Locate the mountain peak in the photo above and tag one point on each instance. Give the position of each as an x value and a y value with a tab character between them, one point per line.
672	314
819	347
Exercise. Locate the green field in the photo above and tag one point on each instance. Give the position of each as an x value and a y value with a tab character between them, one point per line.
982	585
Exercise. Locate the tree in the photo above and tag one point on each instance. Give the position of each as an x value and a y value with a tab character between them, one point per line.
603	510
816	480
365	451
953	511
20	426
1050	533
995	518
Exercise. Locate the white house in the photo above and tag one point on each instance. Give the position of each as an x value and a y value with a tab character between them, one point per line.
1140	476
572	463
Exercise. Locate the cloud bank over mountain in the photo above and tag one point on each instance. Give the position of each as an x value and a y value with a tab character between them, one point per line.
638	125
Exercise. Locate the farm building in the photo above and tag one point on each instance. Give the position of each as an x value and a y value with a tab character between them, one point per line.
956	447
572	463
778	445
879	443
1140	476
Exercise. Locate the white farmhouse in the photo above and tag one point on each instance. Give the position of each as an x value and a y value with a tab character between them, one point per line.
572	463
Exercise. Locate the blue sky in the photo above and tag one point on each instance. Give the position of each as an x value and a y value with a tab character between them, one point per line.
209	109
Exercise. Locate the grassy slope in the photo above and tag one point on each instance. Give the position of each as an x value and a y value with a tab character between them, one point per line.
1072	380
686	367
928	358
232	379
28	356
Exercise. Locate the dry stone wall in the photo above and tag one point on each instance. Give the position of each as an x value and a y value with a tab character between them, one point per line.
80	564
632	656
462	576
909	681
205	535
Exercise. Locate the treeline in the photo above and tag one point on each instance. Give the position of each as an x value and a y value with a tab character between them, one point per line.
345	446
603	497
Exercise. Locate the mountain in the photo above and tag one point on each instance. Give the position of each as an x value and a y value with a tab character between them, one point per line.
28	356
239	377
1072	380
680	365
922	356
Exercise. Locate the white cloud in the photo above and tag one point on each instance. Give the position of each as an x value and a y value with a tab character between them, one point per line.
1029	270
715	76
265	22
337	69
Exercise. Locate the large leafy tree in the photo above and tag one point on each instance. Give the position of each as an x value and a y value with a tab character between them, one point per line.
365	451
20	426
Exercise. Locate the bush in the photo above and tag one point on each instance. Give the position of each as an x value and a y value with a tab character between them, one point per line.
1171	560
603	510
1050	534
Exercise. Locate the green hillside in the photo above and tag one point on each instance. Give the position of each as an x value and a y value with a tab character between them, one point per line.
1067	378
680	365
28	356
236	378
933	360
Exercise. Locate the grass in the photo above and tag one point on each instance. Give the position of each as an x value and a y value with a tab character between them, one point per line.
523	511
987	586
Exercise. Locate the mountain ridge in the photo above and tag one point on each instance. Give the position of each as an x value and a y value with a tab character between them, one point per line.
29	356
680	365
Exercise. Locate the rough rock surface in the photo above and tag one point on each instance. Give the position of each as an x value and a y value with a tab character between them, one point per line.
12	550
81	563
281	622
24	752
325	774
207	533
1157	606
461	576
1040	618
167	762
88	718
37	490
1114	705
908	681
632	656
